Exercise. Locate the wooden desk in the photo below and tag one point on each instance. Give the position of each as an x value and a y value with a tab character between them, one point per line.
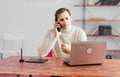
56	67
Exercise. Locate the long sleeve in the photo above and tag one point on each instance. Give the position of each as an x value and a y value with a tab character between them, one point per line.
47	44
72	34
82	35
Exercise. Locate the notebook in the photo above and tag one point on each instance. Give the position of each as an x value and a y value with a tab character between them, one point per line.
32	60
87	53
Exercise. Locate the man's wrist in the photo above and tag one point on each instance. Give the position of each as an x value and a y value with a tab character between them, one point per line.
67	51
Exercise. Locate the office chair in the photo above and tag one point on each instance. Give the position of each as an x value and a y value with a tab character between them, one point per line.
11	44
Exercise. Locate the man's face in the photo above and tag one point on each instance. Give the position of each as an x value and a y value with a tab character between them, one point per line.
64	19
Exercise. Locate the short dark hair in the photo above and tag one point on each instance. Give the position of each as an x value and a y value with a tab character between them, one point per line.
59	11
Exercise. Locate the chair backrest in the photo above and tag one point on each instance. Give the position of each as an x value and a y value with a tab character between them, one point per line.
11	36
13	40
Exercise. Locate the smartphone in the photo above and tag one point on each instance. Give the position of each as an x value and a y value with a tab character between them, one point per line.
59	28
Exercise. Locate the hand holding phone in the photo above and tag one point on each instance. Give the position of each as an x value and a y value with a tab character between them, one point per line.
59	28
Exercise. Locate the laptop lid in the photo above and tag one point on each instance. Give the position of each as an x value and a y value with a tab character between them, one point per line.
87	52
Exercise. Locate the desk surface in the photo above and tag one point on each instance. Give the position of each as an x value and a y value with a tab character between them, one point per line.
55	66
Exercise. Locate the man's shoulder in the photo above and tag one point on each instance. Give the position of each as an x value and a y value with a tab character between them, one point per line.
51	30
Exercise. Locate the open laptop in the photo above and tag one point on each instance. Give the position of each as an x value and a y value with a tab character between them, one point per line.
87	53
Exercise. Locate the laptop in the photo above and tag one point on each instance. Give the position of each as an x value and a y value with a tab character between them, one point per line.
87	53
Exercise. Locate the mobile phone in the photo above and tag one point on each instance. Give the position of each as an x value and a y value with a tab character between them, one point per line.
59	28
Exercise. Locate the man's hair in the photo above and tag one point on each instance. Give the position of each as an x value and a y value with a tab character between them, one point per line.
59	11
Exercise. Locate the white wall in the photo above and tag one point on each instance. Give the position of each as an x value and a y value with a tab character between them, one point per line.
30	17
34	17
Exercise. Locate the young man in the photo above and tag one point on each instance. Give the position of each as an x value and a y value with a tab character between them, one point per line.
60	37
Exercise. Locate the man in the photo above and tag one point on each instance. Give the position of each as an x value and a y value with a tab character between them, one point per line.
60	37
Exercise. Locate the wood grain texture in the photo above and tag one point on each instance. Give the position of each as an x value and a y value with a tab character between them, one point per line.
56	67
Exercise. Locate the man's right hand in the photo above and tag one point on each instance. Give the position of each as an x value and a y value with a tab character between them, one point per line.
56	32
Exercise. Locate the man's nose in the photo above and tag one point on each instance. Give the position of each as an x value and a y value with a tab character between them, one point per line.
65	21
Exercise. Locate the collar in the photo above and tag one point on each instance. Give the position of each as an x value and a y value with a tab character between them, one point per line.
67	30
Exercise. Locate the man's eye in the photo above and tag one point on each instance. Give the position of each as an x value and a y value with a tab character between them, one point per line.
66	18
61	19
